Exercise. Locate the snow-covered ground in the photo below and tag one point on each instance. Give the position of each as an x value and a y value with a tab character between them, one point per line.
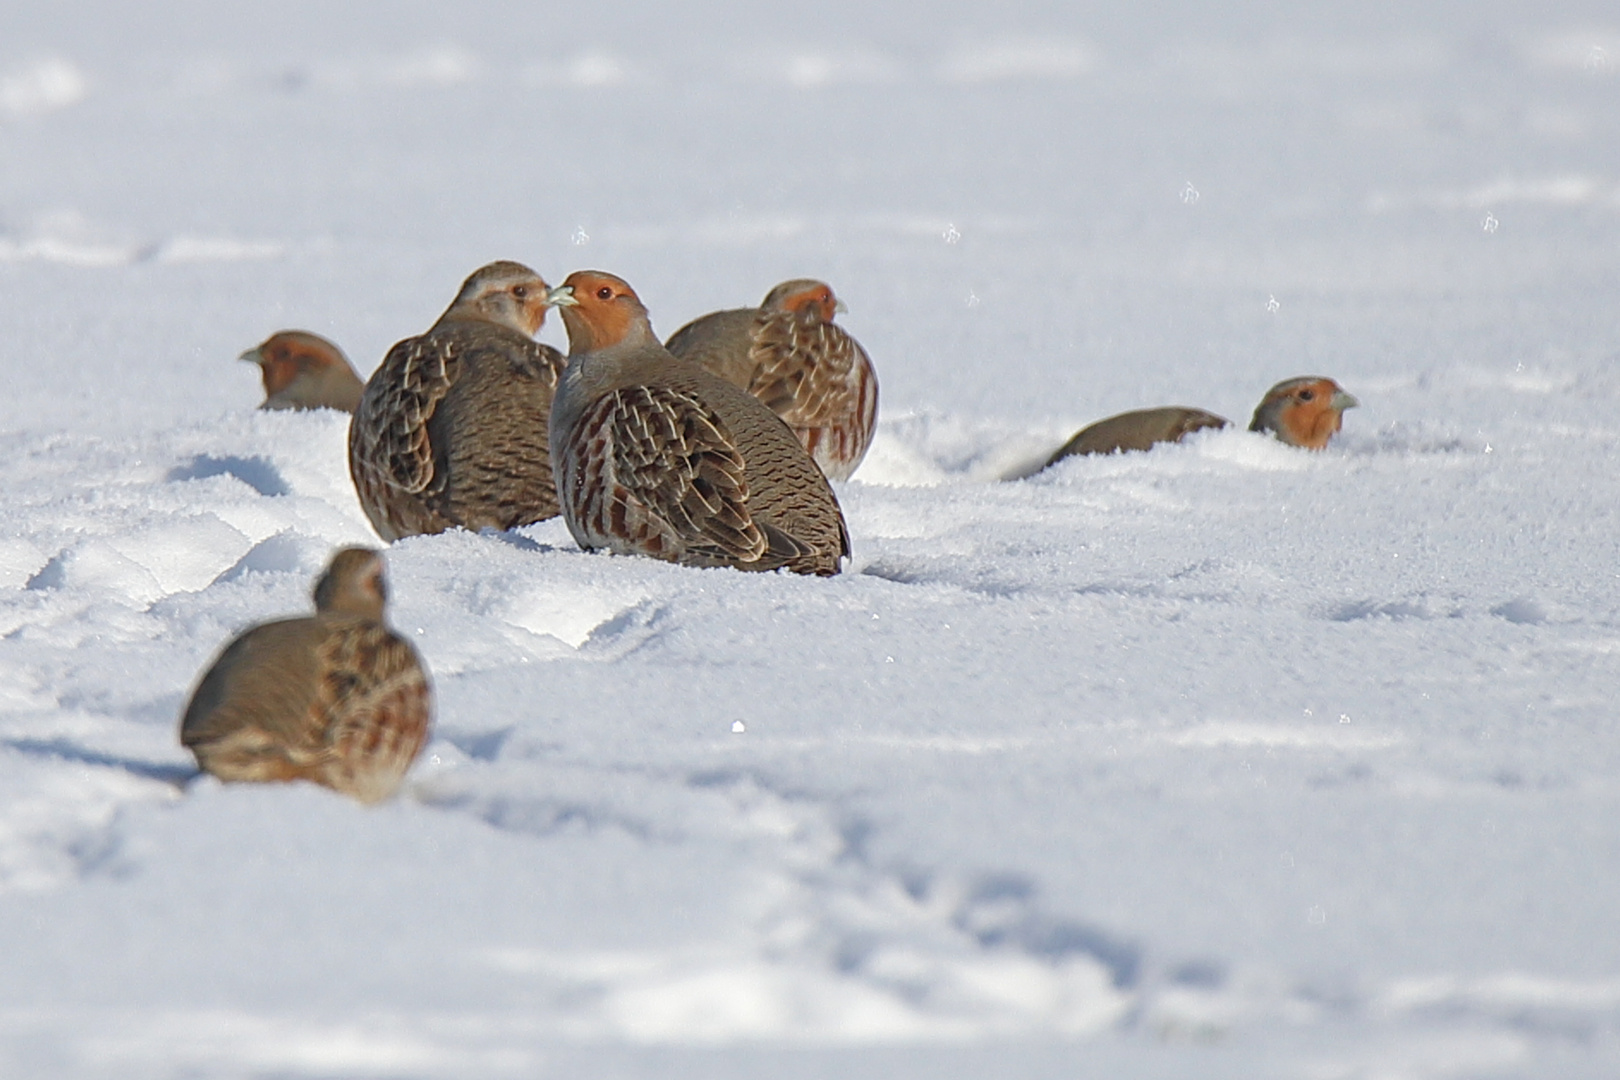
1226	760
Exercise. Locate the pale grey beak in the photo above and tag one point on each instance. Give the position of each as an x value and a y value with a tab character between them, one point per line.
252	356
561	296
1342	401
839	306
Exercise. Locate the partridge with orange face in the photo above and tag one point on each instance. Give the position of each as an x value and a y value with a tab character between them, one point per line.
305	371
790	355
336	698
657	456
452	428
1305	411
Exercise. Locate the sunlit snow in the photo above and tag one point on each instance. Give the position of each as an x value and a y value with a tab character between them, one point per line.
1224	760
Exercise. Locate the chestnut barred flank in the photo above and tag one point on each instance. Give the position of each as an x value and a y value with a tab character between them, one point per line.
790	355
656	456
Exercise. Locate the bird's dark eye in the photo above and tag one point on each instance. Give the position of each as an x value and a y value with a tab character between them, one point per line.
605	293
1307	395
520	291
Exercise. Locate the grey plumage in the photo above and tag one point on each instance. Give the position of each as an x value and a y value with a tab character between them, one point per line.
452	428
301	370
1141	429
336	698
790	355
656	456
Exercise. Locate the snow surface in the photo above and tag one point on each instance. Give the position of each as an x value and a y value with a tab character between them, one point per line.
1223	760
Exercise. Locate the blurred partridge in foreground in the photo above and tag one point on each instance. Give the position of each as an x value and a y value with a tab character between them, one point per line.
336	698
452	427
788	353
1305	411
657	456
305	371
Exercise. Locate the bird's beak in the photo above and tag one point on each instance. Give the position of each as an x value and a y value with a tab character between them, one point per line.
561	296
1342	400
252	356
840	307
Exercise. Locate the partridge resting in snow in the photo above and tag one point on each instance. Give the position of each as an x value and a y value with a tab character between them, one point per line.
305	371
788	353
1304	411
657	456
1138	430
336	698
451	429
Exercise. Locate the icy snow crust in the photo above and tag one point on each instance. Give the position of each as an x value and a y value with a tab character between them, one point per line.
1222	760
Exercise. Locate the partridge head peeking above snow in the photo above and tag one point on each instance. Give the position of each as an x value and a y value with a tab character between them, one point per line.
1305	411
790	354
657	456
452	427
305	371
336	698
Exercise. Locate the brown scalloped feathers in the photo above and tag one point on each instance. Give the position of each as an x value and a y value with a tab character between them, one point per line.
452	428
1306	411
336	698
790	355
305	371
657	456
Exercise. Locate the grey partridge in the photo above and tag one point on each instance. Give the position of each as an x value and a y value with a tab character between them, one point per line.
1138	430
1304	411
451	429
657	456
305	371
790	354
336	698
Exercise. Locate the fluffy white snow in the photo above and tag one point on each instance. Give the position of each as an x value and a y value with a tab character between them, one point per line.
1223	760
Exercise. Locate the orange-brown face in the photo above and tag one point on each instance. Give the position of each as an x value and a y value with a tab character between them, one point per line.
286	355
599	309
818	301
278	372
1305	412
804	297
